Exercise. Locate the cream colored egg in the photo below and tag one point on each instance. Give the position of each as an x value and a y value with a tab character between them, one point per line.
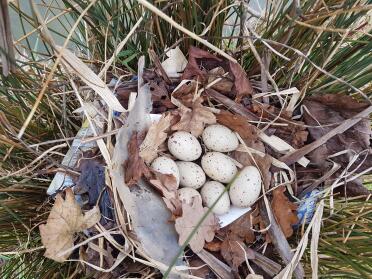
220	138
166	165
187	195
246	187
191	174
210	192
184	146
219	166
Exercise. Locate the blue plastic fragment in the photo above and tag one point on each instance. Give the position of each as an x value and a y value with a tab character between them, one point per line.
306	208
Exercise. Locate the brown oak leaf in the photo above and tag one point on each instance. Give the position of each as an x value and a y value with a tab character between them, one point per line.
191	215
134	166
194	120
65	219
155	137
284	211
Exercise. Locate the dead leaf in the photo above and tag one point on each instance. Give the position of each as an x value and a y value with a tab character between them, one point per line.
284	211
224	85
135	166
194	120
65	219
242	228
248	132
175	63
213	246
335	109
191	215
155	137
242	84
166	184
193	69
234	251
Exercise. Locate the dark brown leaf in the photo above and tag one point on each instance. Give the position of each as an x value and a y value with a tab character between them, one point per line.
241	82
224	85
242	229
327	109
284	211
135	166
194	69
200	268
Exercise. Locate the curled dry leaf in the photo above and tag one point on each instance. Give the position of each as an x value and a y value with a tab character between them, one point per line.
284	211
194	120
191	215
166	184
135	166
241	82
155	137
224	85
65	219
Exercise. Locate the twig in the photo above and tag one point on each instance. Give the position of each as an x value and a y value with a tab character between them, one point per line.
289	159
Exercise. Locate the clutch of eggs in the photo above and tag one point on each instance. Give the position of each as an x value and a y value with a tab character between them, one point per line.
214	170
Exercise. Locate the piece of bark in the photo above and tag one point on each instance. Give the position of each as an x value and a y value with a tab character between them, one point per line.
291	158
219	268
278	239
269	266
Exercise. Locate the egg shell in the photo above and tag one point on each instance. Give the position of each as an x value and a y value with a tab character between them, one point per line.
220	138
191	174
211	192
184	146
246	187
166	165
219	166
187	194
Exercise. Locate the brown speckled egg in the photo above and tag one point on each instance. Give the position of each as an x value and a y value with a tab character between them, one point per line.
220	138
246	187
219	166
184	146
191	174
210	192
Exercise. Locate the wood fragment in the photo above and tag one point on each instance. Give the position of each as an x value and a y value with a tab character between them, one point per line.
278	239
219	268
269	266
291	158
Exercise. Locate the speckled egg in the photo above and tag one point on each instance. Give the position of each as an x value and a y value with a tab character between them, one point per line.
184	146
220	138
219	166
187	195
191	174
246	187
210	192
166	165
